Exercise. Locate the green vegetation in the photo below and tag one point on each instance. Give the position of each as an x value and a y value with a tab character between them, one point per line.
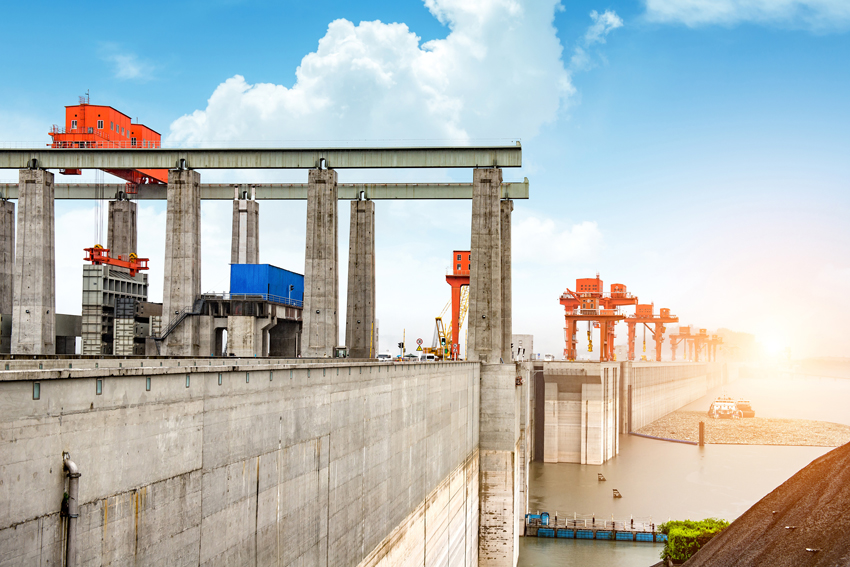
685	537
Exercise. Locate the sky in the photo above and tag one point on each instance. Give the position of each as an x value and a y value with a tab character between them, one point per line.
694	150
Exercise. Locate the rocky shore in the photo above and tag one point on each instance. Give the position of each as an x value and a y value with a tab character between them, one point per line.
684	425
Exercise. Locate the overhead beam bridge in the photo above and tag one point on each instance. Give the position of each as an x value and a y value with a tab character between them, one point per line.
263	158
278	191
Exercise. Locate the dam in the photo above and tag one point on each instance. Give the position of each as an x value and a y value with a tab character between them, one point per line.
199	461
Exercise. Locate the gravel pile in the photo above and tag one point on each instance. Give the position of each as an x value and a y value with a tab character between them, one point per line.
804	522
684	425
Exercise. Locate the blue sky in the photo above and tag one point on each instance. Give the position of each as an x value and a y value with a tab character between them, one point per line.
695	151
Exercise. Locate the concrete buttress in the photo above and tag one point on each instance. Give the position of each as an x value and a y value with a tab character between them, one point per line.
34	298
506	208
7	254
360	316
485	276
182	284
321	265
121	235
245	244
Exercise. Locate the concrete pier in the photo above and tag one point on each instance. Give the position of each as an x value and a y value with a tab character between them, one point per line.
284	339
121	234
34	297
360	316
245	244
182	283
506	208
321	266
502	428
485	277
7	254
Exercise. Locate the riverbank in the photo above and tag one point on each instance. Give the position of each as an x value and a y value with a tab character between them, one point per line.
684	425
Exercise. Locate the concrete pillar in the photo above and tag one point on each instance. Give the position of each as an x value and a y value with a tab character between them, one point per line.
285	339
245	244
321	265
506	208
360	316
182	284
485	277
7	254
121	230
500	432
34	298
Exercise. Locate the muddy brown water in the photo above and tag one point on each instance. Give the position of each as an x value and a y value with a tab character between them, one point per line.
670	480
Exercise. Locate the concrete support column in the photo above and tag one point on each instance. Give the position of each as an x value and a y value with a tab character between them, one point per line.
245	244
506	208
321	266
7	254
34	297
501	428
485	277
182	283
121	232
360	316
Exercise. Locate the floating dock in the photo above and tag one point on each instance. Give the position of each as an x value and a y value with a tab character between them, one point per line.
541	525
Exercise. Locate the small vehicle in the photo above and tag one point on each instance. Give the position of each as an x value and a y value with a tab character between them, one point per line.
724	408
745	407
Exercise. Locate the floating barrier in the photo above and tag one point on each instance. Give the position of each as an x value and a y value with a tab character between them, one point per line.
542	525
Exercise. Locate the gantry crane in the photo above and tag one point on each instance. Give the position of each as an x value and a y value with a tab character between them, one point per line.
696	344
644	315
458	278
103	127
589	303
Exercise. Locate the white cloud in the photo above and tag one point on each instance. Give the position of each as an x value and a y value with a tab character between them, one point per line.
602	25
126	65
815	14
497	74
555	241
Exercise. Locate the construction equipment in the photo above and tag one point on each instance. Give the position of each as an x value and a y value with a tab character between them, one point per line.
644	315
696	344
100	255
458	278
602	310
103	127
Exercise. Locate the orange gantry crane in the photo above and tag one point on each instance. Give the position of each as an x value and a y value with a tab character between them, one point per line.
644	315
695	344
590	303
458	278
103	127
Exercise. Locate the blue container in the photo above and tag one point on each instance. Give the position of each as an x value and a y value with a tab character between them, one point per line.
546	532
584	534
604	535
270	282
568	534
643	536
625	536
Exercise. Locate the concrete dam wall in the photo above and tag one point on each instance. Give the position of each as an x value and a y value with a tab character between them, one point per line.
270	463
651	390
580	407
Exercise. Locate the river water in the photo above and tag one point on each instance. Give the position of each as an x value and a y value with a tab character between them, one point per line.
662	480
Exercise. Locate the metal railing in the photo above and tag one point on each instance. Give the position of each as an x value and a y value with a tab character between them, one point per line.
270	297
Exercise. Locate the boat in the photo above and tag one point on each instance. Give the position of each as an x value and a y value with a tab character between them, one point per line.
745	407
724	407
